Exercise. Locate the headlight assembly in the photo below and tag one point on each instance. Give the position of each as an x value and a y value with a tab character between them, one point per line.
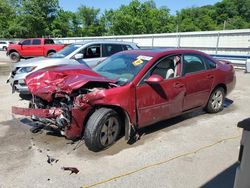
26	69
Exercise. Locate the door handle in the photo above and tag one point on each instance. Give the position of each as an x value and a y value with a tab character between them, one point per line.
178	85
210	76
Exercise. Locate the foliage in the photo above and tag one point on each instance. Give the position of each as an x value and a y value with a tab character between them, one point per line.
36	18
6	17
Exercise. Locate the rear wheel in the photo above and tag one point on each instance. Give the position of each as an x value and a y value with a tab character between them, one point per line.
216	101
4	48
102	129
14	56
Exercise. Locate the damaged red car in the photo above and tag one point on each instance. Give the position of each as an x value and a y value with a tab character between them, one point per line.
128	91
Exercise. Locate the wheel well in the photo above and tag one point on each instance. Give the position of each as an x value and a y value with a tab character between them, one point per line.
13	51
223	86
52	50
123	114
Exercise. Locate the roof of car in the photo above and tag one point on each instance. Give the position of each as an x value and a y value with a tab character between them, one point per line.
103	42
162	51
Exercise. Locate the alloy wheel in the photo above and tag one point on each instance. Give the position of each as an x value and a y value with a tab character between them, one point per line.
217	100
109	131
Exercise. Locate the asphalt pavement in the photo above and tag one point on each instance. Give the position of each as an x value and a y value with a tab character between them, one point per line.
5	63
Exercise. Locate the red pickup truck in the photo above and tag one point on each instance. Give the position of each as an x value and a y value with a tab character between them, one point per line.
33	47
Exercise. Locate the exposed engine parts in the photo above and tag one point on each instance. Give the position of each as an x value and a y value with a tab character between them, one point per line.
62	104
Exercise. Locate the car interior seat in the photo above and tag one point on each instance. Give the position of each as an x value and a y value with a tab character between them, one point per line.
97	54
177	68
90	53
164	69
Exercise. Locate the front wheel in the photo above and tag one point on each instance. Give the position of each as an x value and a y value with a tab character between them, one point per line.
14	56
216	101
51	53
102	129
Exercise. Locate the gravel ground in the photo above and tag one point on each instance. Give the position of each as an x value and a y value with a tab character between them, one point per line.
192	150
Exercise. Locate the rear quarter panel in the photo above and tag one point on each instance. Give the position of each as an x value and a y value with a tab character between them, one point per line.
55	47
225	74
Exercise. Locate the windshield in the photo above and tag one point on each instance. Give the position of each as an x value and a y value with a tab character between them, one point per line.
66	51
122	67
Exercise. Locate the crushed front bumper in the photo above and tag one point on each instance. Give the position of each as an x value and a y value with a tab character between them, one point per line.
50	117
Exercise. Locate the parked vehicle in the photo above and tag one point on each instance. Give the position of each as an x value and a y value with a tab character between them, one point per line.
129	90
90	52
33	47
4	45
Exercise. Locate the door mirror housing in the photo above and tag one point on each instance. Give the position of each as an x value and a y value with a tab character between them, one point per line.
154	79
79	56
20	43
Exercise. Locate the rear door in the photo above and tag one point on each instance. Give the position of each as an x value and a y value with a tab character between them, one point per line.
199	81
110	49
37	47
163	100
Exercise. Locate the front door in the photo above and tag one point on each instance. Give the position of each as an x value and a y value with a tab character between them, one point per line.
26	48
159	101
92	54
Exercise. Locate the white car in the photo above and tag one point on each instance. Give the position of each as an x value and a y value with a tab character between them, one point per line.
4	45
89	52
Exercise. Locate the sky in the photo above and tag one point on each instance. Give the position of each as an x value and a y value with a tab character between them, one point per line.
72	5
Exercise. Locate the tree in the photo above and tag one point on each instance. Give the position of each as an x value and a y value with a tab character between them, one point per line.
36	16
140	18
65	24
6	17
89	21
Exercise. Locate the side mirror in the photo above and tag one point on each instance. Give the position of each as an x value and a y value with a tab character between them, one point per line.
79	56
19	43
154	79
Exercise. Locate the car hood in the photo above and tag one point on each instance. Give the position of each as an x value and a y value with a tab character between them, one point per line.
46	82
42	61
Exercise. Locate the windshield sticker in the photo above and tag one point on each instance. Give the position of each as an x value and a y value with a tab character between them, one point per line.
137	62
143	57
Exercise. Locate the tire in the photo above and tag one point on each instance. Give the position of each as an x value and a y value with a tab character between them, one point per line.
216	101
25	96
4	48
50	53
14	56
102	129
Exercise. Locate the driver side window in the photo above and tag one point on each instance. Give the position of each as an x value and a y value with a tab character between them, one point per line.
26	42
168	68
93	51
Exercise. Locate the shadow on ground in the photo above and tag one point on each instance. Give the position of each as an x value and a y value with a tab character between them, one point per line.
224	179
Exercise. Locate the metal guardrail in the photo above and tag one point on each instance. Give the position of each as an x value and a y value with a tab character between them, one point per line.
238	61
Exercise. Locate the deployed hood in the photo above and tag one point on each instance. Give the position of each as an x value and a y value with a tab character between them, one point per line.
61	79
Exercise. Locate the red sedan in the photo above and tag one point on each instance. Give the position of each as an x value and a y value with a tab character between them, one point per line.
128	90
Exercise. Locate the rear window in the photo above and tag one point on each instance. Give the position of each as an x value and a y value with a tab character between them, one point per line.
192	63
210	64
48	41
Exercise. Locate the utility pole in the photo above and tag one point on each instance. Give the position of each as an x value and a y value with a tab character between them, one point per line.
224	27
